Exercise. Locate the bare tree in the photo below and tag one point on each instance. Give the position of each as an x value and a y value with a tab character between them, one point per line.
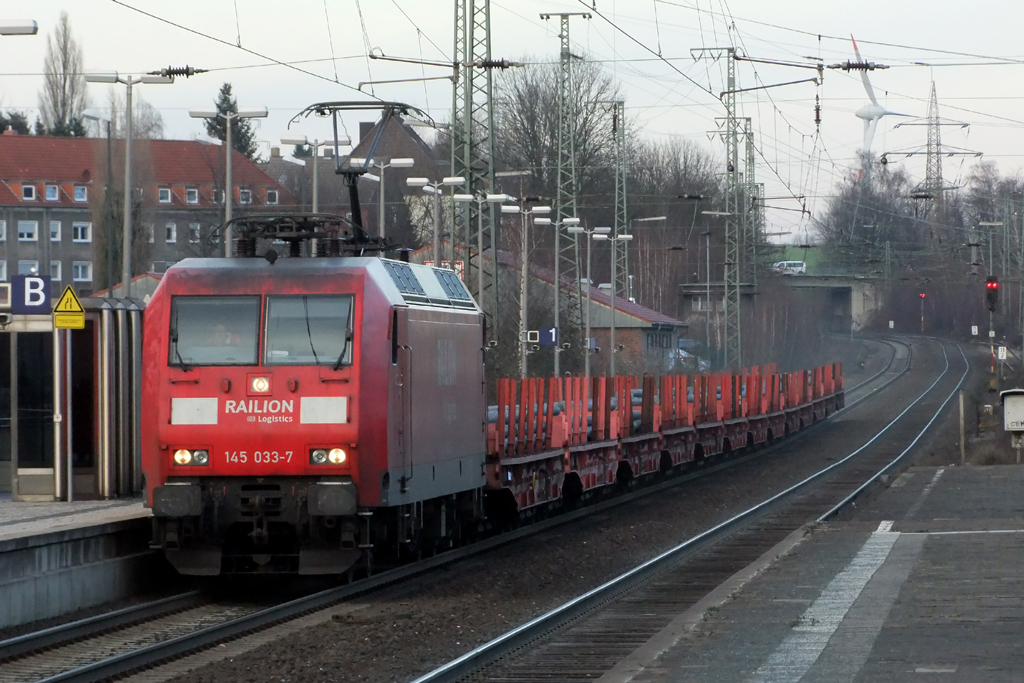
108	208
63	98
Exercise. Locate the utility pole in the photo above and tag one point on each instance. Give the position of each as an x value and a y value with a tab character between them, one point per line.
472	137
621	209
567	247
733	357
750	207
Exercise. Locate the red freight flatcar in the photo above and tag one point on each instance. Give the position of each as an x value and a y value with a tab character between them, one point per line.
295	410
301	415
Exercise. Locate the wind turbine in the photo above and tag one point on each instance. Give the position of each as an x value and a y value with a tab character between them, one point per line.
872	112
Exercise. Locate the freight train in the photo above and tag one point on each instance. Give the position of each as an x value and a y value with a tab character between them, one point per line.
315	413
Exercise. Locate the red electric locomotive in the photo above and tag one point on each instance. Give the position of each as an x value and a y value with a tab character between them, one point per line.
300	414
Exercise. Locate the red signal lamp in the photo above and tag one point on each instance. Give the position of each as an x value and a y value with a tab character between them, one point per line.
922	295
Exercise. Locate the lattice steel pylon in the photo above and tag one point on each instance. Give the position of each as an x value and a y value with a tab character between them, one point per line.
567	246
728	129
621	210
933	169
473	147
749	210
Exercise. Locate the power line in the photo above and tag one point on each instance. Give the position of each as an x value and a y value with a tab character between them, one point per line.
237	47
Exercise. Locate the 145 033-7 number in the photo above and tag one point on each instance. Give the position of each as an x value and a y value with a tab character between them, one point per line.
269	457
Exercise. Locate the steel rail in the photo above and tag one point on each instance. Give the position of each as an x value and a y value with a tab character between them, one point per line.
240	626
477	658
863	487
90	626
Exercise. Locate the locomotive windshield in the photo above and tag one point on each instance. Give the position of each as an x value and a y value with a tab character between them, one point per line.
309	330
214	330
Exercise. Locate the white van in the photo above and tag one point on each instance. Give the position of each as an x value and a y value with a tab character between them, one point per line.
790	267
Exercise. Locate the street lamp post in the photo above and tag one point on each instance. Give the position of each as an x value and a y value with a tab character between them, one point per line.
435	189
568	223
625	261
595	234
253	113
93	115
301	140
481	199
524	215
394	163
615	349
707	313
126	237
18	27
725	286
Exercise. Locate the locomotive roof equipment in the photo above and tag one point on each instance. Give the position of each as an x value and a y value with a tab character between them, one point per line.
349	172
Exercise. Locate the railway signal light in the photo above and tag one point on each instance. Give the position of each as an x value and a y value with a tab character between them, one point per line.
991	292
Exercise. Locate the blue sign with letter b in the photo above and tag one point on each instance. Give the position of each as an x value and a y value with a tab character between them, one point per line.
30	295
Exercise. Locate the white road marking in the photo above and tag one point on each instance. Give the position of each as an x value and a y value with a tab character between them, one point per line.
805	643
924	494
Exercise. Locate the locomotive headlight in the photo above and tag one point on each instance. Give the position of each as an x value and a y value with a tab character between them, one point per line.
201	457
259	385
318	456
182	456
336	456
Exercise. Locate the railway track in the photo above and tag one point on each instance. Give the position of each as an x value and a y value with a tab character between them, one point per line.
139	637
592	634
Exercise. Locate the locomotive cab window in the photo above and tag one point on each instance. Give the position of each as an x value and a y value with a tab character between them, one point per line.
214	330
309	330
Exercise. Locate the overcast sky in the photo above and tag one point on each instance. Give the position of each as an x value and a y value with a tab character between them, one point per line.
974	57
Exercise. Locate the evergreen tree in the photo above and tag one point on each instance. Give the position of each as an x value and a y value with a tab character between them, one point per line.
302	151
16	121
243	136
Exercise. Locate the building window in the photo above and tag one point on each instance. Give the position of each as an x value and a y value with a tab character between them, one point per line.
28	267
52	193
55	270
81	193
81	271
165	195
193	233
55	231
192	196
171	233
151	232
28	231
28	193
218	196
81	232
271	197
3	271
245	196
3	231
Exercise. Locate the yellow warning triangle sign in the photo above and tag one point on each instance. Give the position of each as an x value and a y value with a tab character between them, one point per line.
68	302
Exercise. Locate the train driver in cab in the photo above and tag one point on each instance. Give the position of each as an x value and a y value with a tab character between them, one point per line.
222	336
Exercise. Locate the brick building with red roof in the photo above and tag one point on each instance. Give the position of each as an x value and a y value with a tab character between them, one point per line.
52	194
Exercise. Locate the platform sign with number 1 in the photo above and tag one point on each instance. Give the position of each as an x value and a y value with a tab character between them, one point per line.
548	336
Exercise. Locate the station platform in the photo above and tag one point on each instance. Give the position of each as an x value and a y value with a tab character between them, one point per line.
58	558
924	582
20	520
